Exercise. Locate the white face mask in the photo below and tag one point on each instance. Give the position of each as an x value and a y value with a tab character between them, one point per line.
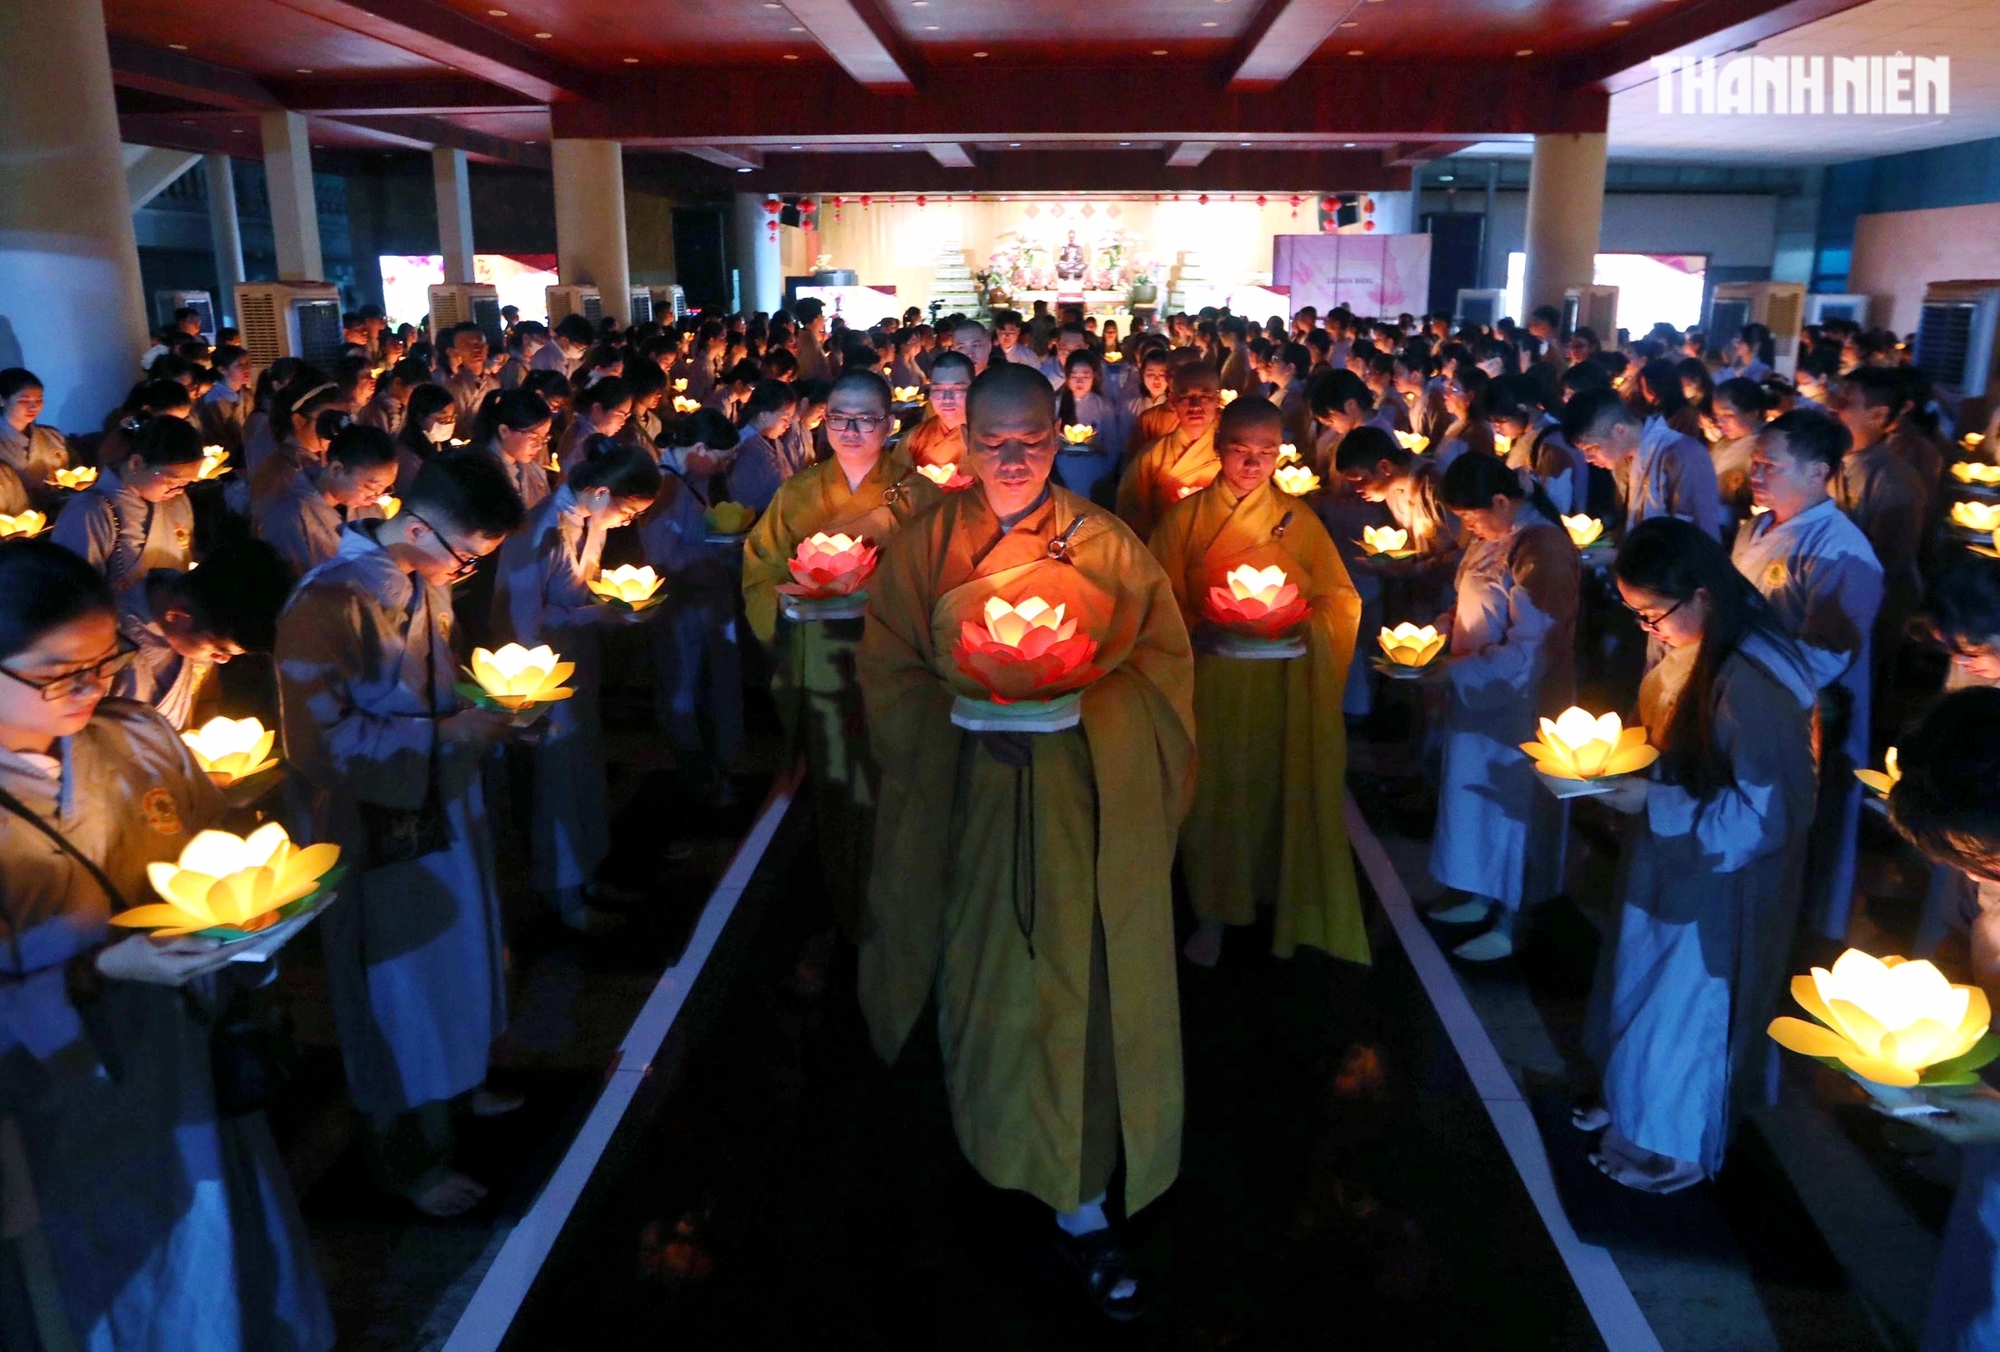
439	433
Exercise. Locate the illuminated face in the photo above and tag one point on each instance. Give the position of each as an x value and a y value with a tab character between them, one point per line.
948	400
857	427
69	650
157	483
1979	658
527	446
1609	444
975	343
1154	377
1677	624
24	408
1375	484
1011	447
1249	455
1009	335
1196	401
357	488
611	421
1732	422
1080	380
1782	481
470	349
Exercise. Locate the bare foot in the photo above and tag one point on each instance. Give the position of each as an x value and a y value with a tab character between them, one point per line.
449	1194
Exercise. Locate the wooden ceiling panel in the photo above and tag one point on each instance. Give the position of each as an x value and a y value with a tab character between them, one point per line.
262	37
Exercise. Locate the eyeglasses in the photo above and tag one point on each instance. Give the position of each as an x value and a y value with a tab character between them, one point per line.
1651	623
72	683
467	563
854	422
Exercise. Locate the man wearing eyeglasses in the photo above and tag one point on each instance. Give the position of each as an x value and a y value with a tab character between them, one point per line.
1183	461
940	438
864	492
373	727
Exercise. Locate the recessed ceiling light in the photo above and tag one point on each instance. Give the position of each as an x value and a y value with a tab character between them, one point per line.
979	53
1347	145
798	147
1351	23
533	142
1013	145
1621	23
305	70
1208	23
896	145
798	28
236	131
743	169
930	28
497	13
1244	144
1525	51
772	4
790	57
1356	52
1124	143
1159	51
631	60
545	36
1444	178
177	46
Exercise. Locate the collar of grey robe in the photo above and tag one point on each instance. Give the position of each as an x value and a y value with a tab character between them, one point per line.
1768	524
361	552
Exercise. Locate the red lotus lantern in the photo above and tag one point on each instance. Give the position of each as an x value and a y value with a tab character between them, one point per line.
1026	651
829	565
1260	602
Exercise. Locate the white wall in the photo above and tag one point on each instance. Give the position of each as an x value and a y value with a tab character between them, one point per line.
1734	229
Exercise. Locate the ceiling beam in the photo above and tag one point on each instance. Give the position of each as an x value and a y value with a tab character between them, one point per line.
1705	28
424	133
951	154
860	37
1410	155
1282	35
728	157
1247	172
137	66
689	106
339	98
1189	154
149	175
444	35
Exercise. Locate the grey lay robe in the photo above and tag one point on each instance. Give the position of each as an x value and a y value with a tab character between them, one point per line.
1708	904
413	950
301	525
123	536
158	676
169	1228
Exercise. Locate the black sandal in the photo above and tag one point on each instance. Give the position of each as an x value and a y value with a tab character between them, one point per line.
1100	1261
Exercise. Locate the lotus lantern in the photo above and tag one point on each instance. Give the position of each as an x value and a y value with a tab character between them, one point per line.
627	587
1227	397
77	478
1976	472
1409	645
1385	540
1288	454
729	518
1581	745
1584	531
235	884
389	504
1078	434
684	405
947	476
1981	518
231	749
1972	439
829	565
25	525
1260	601
1298	480
214	460
518	678
1414	442
1114	357
907	394
1890	1022
1881	782
1025	650
680	384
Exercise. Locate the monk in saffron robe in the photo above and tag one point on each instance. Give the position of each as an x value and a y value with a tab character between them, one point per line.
864	493
1268	825
1047	941
940	438
1180	463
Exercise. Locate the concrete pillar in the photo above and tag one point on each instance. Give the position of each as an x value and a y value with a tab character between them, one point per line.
288	175
454	196
72	307
1565	210
225	233
761	274
590	220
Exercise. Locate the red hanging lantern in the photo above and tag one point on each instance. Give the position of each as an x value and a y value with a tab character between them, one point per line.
1260	199
1296	199
1203	199
864	201
922	200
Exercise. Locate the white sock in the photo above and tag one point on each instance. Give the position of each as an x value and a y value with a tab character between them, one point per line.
1086	1219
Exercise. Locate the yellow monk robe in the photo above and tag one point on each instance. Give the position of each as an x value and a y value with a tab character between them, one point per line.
1164	473
962	882
818	698
1268	824
932	443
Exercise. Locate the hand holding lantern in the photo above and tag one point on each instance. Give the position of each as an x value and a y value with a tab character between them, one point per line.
1890	1022
1578	745
1026	651
627	588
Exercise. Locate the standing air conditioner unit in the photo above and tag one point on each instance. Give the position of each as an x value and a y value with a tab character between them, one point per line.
669	302
1483	307
290	319
565	301
1594	308
166	302
1778	306
467	303
642	305
1819	309
1955	341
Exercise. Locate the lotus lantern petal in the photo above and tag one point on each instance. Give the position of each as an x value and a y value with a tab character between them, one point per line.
729	518
1026	650
1260	601
1076	434
680	384
633	586
1409	645
214	460
830	565
684	405
907	394
389	504
231	749
25	525
1288	454
1983	517
949	476
1298	480
1976	472
1884	1019
1414	442
1384	539
1227	397
236	882
1584	531
78	477
1882	781
1581	745
516	677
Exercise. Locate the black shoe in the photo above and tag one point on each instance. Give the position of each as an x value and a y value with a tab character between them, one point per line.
1100	1261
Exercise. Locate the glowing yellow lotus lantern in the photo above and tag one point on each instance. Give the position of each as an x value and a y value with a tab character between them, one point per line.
214	460
1027	650
1409	645
1414	442
81	477
907	394
231	885
729	518
680	385
628	588
1227	397
1579	745
1262	602
1390	540
1971	439
895	426
829	565
1890	1022
1288	454
1076	434
231	749
389	504
24	526
1502	443
1584	531
1885	779
684	405
517	678
1114	357
948	477
1297	480
1981	518
1973	472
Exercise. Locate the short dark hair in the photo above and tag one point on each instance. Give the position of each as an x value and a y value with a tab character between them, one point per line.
1250	411
1588	410
469	490
1366	447
42	587
629	471
576	329
1809	437
1332	391
1964	603
1009	378
236	594
1947	801
165	440
1743	395
359	446
952	361
862	381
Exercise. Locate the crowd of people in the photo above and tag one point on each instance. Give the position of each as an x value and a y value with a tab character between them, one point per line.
1098	649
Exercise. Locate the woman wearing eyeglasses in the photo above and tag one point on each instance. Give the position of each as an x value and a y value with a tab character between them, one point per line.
134	1212
1711	875
373	728
541	594
868	492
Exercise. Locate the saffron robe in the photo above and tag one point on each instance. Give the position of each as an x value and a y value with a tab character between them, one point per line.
1162	474
1254	837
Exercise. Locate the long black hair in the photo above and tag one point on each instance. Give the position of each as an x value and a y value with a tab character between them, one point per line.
1674	560
1476	478
1947	802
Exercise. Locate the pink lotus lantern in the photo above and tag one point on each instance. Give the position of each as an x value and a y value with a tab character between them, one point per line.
1026	651
1261	602
829	565
949	477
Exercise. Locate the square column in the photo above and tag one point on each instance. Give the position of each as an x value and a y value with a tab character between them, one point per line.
590	219
225	232
454	201
288	176
1565	212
